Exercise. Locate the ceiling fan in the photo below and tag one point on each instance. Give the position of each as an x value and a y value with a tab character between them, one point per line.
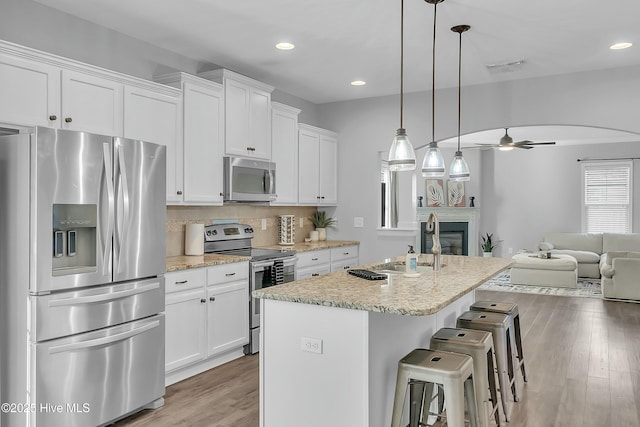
506	143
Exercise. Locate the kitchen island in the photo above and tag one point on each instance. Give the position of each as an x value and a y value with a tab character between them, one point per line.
330	344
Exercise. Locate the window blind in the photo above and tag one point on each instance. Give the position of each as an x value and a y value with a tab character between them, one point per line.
607	197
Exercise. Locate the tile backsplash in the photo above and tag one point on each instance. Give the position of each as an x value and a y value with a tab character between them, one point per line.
179	216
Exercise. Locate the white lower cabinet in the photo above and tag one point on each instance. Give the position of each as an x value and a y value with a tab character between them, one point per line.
344	258
207	318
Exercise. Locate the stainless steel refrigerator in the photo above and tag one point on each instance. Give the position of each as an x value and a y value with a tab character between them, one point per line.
82	262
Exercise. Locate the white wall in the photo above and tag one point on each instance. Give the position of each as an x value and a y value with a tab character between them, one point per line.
536	191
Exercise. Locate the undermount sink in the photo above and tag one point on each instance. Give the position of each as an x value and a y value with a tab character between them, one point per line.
400	267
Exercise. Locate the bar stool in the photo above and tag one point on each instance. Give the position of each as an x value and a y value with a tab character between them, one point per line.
498	325
511	310
423	368
478	345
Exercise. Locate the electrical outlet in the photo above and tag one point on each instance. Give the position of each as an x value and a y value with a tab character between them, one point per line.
264	223
358	222
312	345
510	251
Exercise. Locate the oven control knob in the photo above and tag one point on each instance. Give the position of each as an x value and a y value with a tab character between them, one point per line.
214	232
248	230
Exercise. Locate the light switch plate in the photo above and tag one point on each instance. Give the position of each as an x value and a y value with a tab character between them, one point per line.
358	222
264	223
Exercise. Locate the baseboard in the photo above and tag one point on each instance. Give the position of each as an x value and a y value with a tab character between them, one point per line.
199	367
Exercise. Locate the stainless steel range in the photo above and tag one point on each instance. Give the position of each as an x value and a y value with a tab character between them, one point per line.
267	267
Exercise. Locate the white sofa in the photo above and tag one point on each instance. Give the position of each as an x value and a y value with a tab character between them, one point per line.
588	248
621	275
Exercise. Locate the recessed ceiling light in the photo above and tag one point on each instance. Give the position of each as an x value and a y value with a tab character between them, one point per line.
285	46
358	83
619	46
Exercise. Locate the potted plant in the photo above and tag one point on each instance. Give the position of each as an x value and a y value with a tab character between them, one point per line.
321	221
488	245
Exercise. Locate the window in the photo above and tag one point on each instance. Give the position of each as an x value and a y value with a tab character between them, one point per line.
606	197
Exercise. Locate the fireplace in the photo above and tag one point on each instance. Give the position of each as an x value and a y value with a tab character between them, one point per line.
454	238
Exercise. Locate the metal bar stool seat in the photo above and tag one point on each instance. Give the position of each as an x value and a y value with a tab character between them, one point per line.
498	324
478	345
423	368
511	310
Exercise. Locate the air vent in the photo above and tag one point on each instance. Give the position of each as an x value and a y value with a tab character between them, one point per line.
506	67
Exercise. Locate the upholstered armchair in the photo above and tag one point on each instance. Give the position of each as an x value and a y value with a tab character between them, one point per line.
621	275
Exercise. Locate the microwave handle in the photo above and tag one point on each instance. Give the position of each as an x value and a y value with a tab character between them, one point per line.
267	182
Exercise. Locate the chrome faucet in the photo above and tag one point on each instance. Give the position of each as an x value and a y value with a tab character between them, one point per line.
433	224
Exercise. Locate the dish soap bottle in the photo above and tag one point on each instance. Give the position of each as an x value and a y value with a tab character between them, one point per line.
411	266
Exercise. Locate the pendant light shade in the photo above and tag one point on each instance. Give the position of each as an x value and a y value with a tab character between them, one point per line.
433	163
459	170
401	154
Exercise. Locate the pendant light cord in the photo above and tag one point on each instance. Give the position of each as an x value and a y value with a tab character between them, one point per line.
433	77
401	60
459	87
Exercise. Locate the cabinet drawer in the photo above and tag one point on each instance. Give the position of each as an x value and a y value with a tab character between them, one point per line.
226	273
315	271
344	252
186	279
307	259
344	264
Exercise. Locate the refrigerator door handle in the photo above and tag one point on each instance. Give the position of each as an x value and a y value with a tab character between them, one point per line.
124	193
103	297
107	237
104	340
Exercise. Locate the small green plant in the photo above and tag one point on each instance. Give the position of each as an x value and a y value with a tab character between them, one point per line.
319	219
487	243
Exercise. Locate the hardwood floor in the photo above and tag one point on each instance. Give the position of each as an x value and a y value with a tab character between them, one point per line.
582	357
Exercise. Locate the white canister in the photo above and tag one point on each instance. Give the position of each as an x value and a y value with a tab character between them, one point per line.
194	239
314	236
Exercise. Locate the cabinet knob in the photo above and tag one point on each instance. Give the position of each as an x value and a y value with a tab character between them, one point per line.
346	267
212	299
68	119
53	117
318	197
179	192
322	197
203	300
315	274
221	194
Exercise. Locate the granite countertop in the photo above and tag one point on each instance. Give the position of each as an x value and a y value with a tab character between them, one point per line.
315	246
184	262
419	296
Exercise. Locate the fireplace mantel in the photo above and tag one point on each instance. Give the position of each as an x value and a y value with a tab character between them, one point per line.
447	214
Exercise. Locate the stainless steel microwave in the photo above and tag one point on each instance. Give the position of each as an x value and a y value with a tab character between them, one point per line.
248	180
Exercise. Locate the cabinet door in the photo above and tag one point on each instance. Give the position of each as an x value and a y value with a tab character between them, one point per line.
155	117
308	173
237	105
328	170
91	104
228	316
260	124
203	137
29	92
284	152
185	328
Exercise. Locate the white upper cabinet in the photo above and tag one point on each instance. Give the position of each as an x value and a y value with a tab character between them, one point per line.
91	104
284	152
318	173
247	114
29	92
156	117
202	137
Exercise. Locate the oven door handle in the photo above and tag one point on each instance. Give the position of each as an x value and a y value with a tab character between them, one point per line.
260	265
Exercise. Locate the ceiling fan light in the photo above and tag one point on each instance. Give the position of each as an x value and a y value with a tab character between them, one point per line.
401	154
459	170
505	148
433	163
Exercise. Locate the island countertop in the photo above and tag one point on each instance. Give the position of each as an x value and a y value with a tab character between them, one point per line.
420	296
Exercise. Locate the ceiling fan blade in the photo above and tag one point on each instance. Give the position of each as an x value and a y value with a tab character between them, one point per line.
520	143
481	146
526	147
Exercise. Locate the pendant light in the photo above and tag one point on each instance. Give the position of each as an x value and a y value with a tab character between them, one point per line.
433	163
401	154
459	170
